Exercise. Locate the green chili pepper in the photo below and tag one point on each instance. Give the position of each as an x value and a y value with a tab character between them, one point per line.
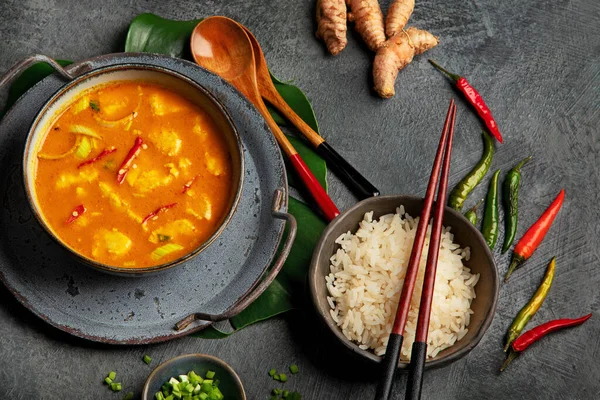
511	203
459	194
531	308
490	216
471	215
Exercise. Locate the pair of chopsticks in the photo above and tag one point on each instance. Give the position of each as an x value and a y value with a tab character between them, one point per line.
419	349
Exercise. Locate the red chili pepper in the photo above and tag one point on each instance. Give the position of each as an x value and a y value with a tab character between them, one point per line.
133	153
530	337
157	211
189	184
475	99
535	334
102	154
76	213
534	235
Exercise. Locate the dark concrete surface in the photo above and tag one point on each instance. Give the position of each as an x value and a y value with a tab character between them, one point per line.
538	65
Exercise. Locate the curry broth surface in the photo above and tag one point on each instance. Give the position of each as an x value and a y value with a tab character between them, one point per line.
180	142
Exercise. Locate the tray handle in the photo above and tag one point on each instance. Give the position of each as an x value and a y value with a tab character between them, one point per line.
279	201
22	65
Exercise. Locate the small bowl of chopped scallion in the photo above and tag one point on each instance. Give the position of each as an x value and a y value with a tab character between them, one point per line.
194	377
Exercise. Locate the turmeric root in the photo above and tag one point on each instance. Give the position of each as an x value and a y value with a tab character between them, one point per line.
397	16
368	22
331	21
396	53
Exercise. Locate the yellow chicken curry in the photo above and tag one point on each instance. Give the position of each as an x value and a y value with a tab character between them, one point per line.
132	174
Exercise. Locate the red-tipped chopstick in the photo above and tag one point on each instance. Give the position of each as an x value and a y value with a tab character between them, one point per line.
419	349
392	354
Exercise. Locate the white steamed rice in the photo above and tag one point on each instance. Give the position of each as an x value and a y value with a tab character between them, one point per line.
366	278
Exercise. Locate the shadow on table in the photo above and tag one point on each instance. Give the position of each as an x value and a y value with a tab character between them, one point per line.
325	351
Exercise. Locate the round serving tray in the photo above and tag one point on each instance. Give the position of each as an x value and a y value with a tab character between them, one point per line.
121	310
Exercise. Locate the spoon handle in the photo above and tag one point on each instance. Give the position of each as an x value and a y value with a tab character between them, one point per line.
324	202
355	181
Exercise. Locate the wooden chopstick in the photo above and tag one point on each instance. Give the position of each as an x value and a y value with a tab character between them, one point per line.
419	349
392	354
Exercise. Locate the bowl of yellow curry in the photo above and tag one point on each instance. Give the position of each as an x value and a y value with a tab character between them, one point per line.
133	168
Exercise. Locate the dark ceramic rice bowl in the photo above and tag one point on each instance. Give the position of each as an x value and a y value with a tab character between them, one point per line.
466	234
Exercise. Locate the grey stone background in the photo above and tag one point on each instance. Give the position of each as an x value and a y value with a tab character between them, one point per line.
537	64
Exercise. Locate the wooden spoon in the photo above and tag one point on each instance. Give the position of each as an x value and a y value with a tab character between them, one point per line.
357	183
222	46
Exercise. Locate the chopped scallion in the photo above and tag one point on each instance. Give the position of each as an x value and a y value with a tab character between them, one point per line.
115	387
162	251
96	107
272	372
283	377
128	396
147	359
84	149
163	238
294	369
84	130
108	380
191	387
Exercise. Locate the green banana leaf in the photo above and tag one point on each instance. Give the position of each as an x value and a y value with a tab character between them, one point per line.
151	33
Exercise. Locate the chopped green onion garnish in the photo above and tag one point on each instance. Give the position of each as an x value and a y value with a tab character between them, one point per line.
115	387
283	377
84	149
294	369
272	372
191	387
96	107
276	392
128	396
112	375
276	377
162	251
147	359
84	130
163	238
108	380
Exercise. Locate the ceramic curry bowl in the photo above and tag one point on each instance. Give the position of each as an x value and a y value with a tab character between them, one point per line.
82	80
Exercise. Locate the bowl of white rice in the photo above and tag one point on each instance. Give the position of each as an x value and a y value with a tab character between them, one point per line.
358	269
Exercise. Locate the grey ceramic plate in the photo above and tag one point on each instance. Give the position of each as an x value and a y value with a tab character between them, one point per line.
118	310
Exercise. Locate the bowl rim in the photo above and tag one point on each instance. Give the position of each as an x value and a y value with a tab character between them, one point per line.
327	236
216	360
123	271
